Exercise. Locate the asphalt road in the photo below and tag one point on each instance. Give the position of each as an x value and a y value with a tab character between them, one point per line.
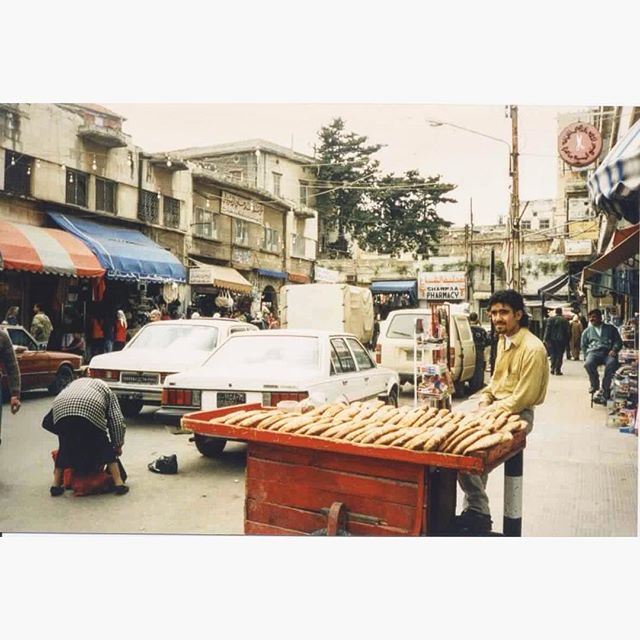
205	497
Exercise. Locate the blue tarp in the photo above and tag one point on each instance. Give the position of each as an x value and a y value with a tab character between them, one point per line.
280	275
393	286
126	254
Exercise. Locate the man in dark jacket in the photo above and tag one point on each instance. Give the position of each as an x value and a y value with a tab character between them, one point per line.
556	336
10	368
600	343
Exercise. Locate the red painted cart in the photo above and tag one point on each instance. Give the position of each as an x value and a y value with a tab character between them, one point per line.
298	484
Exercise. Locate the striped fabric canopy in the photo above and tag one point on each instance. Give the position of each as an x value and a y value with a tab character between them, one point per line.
24	247
614	187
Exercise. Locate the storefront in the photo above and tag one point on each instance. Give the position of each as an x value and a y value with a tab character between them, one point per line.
219	289
268	283
50	267
393	294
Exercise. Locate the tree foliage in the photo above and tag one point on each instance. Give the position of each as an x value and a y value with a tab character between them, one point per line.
387	214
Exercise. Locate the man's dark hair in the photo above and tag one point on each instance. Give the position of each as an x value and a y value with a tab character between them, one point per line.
513	299
558	311
595	312
473	316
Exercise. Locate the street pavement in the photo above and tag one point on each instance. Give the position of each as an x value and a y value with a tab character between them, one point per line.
580	476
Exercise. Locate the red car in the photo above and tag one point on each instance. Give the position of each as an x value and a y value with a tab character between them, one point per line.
40	369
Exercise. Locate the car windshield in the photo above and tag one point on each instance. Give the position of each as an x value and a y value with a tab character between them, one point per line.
402	325
174	337
271	351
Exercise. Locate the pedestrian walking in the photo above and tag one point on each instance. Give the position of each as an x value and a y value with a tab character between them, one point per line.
41	326
120	332
155	315
517	385
12	372
96	335
12	315
556	336
600	343
88	421
109	328
576	333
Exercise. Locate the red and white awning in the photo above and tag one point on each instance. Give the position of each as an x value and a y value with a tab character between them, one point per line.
24	247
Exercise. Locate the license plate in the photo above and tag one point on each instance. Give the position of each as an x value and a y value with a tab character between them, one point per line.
130	396
139	378
229	398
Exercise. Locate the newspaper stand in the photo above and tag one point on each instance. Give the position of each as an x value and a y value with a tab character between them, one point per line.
297	484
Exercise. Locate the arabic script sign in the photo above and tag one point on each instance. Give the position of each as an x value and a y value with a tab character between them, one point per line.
442	286
242	208
579	144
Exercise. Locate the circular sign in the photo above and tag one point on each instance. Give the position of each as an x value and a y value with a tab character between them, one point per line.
579	144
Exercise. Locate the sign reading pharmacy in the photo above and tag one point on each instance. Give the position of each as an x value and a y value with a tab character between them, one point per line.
242	208
579	144
442	286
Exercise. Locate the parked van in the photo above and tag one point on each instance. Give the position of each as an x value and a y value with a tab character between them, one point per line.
328	307
394	348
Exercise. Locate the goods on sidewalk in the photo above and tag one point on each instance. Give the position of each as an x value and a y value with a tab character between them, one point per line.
377	424
623	406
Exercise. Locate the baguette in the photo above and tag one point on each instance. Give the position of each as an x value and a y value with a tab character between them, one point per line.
305	429
488	441
355	433
459	435
419	440
296	424
333	410
434	442
470	439
318	428
390	436
372	435
233	414
238	418
270	419
318	411
252	421
407	434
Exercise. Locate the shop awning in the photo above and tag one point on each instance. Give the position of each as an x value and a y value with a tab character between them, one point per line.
557	286
624	245
393	286
126	254
299	278
279	275
614	186
25	247
217	276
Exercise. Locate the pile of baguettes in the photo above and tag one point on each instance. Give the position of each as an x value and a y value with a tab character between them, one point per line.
377	424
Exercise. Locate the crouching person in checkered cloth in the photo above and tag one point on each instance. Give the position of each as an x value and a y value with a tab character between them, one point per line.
88	421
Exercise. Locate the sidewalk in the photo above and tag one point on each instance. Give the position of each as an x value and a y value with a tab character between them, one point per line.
580	476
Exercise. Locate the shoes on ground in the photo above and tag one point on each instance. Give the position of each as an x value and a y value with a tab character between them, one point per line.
559	373
471	522
121	489
164	464
598	399
56	491
592	391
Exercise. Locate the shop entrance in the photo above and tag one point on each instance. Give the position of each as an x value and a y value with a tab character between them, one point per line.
270	298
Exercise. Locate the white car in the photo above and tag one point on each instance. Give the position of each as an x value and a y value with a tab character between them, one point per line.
159	349
276	365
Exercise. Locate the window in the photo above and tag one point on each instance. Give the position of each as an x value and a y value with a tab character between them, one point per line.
544	223
149	207
403	325
236	175
277	180
76	188
98	121
525	225
171	211
17	173
304	194
206	224
360	354
270	240
106	191
345	360
20	338
297	245
9	124
240	232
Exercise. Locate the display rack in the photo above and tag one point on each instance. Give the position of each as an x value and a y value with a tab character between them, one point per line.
623	406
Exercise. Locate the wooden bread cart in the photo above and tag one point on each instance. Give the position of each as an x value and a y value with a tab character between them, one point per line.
297	484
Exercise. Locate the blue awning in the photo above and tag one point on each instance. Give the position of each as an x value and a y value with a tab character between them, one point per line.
614	186
126	254
393	286
279	275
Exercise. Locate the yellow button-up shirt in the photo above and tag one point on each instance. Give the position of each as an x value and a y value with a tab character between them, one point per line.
521	373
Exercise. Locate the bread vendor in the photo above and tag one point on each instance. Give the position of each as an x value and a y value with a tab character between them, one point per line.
518	384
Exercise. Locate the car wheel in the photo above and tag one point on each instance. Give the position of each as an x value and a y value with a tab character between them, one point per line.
209	447
459	389
130	408
64	377
477	382
392	398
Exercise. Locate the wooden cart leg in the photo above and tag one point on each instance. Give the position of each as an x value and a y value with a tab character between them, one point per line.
441	500
512	520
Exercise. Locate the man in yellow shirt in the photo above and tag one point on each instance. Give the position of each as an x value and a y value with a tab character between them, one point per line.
519	383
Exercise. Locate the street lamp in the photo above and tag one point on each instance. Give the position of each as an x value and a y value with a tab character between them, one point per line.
514	219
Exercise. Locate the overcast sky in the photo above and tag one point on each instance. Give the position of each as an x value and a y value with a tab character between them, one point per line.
477	165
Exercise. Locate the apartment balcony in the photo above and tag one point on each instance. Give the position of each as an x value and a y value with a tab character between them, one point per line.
302	211
103	136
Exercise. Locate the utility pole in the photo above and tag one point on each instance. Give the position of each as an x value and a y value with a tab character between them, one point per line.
467	271
472	268
514	218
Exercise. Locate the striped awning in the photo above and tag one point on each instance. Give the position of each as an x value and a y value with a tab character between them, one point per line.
614	186
25	247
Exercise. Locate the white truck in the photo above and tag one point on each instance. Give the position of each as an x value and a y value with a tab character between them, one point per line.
326	306
394	348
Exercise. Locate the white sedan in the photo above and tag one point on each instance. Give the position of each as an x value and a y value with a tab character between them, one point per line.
271	366
159	349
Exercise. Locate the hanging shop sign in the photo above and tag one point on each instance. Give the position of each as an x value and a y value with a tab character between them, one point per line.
326	275
578	208
578	247
579	144
241	208
442	286
242	257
